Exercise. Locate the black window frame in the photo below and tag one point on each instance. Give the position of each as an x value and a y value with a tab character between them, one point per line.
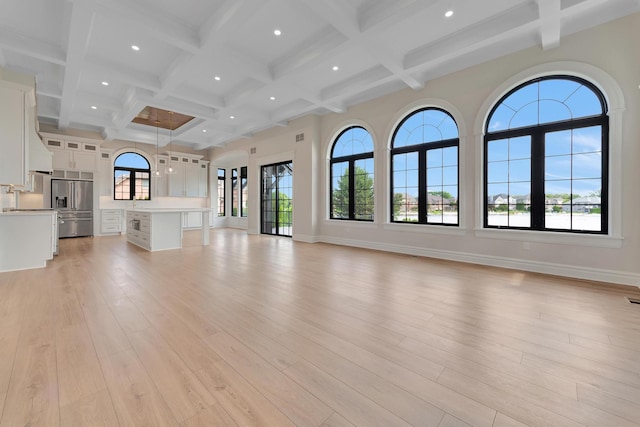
234	187
351	160
222	179
537	134
423	186
132	176
243	186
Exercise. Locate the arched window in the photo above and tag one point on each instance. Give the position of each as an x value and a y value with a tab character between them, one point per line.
131	174
424	169
546	157
352	176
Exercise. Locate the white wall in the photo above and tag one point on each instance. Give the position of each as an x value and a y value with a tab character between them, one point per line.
606	55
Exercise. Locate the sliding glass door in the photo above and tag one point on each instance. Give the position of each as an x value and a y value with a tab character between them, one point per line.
276	210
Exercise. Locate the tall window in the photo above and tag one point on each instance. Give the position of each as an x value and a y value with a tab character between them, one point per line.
234	192
546	157
221	191
131	174
352	169
424	169
244	193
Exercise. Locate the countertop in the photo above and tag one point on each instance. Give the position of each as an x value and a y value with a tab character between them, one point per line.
27	213
167	210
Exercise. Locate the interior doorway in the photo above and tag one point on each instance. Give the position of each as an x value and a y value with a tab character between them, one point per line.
276	212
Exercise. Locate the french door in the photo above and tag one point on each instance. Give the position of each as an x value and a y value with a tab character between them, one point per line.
276	212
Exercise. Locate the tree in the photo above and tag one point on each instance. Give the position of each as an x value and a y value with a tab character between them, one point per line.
284	207
363	193
443	194
398	198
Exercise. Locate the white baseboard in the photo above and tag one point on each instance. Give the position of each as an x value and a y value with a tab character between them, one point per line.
597	274
306	238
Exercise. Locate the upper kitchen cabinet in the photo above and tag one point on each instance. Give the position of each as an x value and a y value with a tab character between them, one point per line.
189	177
21	147
73	155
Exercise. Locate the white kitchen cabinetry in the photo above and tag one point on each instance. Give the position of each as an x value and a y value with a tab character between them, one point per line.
189	178
155	231
13	162
111	221
28	239
106	174
203	179
192	219
73	155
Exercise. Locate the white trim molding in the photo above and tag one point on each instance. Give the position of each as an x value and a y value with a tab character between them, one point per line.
578	272
616	105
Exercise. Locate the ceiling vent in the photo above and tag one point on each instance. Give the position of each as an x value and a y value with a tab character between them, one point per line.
300	137
253	150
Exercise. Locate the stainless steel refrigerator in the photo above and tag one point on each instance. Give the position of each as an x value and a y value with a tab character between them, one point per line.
74	202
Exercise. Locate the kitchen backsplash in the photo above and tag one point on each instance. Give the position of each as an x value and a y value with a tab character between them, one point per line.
7	200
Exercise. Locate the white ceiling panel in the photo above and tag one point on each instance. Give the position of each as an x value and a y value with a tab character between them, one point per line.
379	46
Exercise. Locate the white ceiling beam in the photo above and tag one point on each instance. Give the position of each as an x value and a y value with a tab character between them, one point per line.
49	89
105	102
549	23
222	23
160	26
355	83
309	52
386	13
200	97
499	27
82	18
213	34
242	90
132	106
344	18
249	66
99	67
28	46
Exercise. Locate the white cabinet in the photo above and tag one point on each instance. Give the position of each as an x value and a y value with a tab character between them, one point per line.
203	179
106	174
190	176
13	136
111	221
73	155
155	231
192	219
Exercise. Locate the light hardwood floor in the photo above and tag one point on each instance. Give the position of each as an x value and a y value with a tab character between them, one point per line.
259	330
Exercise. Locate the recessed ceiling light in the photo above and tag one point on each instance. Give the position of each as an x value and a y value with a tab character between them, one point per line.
216	78
335	68
277	32
93	107
273	98
449	13
134	47
232	117
105	83
204	131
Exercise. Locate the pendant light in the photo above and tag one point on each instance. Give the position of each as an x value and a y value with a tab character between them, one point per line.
170	170
156	172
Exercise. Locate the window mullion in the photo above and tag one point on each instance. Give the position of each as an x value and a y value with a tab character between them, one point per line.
537	209
422	186
352	189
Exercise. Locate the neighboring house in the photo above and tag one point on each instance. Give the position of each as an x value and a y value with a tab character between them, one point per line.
552	202
502	199
583	204
435	202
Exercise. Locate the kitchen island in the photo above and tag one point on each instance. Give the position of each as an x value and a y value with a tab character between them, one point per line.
161	229
28	239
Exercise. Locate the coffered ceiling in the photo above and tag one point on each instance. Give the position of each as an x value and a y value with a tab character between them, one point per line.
221	62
